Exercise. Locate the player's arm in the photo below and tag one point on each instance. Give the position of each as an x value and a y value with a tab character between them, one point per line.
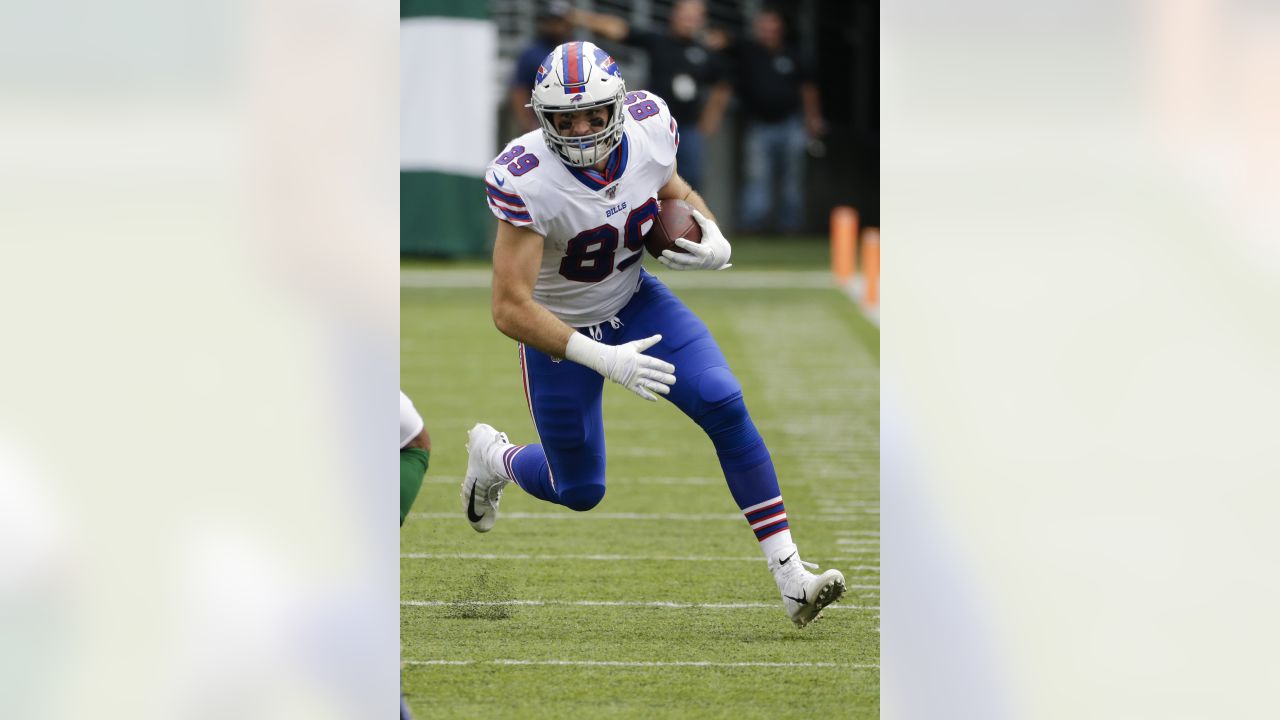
710	254
517	255
677	189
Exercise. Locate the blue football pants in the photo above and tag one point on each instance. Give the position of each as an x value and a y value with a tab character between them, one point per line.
568	467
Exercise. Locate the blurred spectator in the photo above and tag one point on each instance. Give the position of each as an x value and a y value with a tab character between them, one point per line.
775	86
684	69
554	28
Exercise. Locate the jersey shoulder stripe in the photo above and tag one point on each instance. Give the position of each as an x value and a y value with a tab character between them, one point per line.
512	216
509	198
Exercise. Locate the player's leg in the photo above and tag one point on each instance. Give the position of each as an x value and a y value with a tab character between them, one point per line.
707	391
415	454
566	467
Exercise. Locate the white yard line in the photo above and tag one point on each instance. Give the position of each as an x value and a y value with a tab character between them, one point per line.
650	663
609	558
662	604
617	516
548	557
853	290
656	480
735	279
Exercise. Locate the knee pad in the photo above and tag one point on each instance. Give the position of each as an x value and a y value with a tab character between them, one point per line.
727	422
717	387
582	497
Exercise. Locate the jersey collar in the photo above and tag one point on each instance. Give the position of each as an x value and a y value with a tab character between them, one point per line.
597	180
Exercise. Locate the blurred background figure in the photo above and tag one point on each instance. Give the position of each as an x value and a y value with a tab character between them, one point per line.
685	69
779	100
783	57
553	28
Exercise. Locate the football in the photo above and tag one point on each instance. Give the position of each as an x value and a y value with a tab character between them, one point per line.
674	220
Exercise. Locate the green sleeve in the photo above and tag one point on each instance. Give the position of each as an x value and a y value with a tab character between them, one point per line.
413	467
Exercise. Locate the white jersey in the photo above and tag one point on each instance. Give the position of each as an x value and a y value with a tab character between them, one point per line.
410	421
593	221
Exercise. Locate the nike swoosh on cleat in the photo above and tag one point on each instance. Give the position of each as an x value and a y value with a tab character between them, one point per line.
804	597
471	503
784	562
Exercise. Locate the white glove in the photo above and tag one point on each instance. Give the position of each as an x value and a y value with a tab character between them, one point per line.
710	254
624	364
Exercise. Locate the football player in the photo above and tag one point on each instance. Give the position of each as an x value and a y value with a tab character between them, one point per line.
573	200
415	454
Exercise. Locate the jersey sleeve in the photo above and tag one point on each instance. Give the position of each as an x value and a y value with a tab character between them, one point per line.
661	127
504	200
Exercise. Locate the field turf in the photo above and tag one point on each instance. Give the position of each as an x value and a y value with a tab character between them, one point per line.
656	603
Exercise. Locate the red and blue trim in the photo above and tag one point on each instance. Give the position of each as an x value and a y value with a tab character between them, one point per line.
613	169
573	69
767	518
510	205
506	197
511	215
508	457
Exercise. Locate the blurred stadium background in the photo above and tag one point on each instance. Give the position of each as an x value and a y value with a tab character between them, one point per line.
457	60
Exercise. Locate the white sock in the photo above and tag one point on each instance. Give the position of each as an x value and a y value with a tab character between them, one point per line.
500	461
778	546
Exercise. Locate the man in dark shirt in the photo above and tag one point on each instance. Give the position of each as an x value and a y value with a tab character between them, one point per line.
554	28
780	102
684	70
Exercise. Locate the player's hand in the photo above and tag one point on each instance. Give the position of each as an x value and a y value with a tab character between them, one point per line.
710	254
625	364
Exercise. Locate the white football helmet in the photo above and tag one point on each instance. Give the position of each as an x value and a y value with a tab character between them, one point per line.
579	76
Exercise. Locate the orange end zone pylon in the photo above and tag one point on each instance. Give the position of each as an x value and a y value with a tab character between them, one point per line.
844	242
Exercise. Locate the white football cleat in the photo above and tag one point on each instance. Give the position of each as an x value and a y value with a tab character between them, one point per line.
803	593
482	487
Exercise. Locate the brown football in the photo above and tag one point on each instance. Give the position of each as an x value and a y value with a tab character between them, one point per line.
674	220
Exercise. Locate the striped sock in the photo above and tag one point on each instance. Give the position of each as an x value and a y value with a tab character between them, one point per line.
527	466
768	521
505	469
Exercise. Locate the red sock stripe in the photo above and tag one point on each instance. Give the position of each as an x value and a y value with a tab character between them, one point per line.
507	458
771	533
782	513
763	512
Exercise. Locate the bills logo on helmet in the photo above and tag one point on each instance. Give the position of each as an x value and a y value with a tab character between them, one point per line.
542	70
606	62
576	98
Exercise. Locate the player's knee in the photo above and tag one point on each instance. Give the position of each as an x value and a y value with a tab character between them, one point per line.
719	398
422	440
582	497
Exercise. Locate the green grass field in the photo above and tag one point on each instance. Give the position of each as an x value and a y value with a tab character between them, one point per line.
657	603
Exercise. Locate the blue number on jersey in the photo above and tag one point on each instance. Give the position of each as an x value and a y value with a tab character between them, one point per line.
583	262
